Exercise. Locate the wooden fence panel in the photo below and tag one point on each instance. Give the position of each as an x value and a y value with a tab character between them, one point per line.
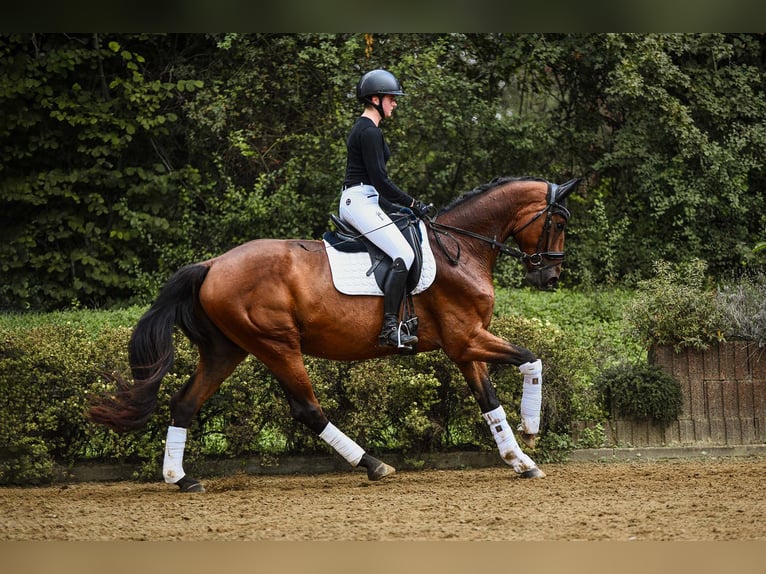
724	393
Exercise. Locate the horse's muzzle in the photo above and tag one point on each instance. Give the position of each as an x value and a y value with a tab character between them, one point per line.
546	278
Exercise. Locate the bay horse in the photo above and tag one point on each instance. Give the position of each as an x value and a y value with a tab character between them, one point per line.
275	299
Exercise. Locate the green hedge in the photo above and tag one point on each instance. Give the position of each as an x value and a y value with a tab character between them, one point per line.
411	405
641	392
50	364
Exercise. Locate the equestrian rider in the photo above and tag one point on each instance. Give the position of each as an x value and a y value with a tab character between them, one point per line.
369	195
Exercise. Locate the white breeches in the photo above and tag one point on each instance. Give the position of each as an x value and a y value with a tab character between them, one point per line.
359	207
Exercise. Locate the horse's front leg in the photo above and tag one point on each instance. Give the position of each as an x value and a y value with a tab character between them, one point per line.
477	377
531	401
485	347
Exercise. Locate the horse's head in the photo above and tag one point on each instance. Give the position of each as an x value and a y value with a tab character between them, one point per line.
537	224
542	237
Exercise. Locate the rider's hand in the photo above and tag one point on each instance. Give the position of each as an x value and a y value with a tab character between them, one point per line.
421	209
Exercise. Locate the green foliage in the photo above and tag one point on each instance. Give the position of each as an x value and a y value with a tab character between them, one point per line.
125	156
743	305
390	406
92	322
412	405
641	392
676	307
555	447
598	245
86	185
41	404
680	306
592	437
684	151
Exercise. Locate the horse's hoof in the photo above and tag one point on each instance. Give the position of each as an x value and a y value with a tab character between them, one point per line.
187	484
533	473
381	471
376	469
528	439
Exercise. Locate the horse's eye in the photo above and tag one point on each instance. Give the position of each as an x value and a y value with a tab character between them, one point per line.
560	226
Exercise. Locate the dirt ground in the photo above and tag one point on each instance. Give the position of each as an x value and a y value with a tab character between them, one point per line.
667	500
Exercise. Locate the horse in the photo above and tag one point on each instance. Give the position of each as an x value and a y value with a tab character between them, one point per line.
274	299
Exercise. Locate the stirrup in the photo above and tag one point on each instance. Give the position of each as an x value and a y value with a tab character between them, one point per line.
395	336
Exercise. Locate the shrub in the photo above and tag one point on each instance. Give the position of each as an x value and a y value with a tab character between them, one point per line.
547	342
45	373
391	406
641	392
410	404
743	305
676	307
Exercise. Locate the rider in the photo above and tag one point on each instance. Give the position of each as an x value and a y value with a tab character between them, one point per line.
369	195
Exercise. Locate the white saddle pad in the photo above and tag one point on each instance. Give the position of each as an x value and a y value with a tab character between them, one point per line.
349	270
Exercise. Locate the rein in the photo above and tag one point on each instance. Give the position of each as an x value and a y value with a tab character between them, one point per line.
535	259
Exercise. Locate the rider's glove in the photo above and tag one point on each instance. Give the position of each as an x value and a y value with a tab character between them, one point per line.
421	209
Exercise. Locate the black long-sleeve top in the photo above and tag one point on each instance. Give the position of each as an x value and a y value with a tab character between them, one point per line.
368	154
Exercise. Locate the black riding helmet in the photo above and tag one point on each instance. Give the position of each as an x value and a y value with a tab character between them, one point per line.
377	83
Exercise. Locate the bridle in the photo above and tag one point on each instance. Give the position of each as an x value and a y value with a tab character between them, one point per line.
535	259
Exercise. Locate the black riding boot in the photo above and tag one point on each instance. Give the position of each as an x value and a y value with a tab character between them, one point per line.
393	295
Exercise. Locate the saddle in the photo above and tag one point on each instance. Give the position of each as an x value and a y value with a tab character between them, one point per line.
348	240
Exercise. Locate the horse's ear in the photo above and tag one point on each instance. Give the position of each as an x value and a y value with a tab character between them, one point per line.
566	188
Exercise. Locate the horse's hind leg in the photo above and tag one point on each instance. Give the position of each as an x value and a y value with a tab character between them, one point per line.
217	361
291	373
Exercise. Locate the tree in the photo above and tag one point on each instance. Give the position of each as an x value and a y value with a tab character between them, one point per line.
87	186
126	156
685	147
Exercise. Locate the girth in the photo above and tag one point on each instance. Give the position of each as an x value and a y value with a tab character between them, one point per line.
347	239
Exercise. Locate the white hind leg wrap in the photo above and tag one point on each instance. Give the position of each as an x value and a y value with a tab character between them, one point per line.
172	465
346	447
509	449
531	396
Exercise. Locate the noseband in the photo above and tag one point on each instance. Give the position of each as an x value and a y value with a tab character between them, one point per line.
535	259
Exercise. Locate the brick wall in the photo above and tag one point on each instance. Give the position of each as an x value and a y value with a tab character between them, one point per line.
724	391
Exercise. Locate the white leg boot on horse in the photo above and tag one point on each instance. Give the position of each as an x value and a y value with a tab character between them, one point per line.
354	453
172	465
510	451
531	401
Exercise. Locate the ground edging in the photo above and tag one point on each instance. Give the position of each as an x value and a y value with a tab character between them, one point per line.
96	472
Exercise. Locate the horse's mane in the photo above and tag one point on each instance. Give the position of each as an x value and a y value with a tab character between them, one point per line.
498	181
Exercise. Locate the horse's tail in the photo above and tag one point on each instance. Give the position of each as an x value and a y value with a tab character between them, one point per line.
151	352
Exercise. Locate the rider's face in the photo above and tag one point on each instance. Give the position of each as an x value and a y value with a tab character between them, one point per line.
389	105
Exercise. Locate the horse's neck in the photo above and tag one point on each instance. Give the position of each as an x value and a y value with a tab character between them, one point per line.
495	214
